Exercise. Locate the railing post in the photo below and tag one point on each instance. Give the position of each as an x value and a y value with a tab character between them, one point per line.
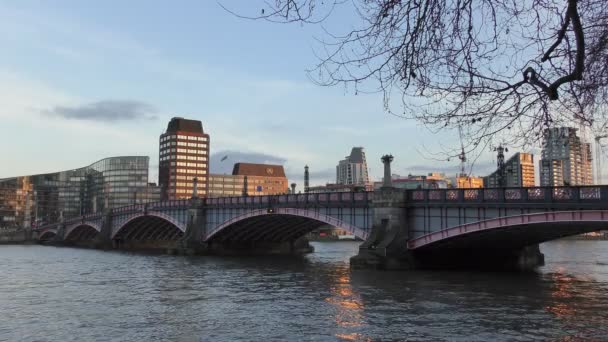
576	193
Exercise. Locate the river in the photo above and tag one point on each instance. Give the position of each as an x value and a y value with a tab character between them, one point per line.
68	294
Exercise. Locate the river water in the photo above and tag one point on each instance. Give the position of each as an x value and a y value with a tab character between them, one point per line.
66	294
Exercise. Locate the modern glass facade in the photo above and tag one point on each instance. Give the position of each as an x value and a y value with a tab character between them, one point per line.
39	199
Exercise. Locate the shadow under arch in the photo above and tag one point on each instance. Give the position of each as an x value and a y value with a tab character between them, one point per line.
81	232
276	225
47	235
513	231
148	228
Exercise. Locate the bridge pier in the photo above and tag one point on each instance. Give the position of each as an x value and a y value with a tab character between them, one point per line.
191	243
104	237
385	246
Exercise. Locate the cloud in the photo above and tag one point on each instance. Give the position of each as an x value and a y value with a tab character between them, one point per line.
232	157
106	110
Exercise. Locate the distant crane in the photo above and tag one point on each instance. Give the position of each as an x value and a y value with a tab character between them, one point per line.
500	164
462	156
598	158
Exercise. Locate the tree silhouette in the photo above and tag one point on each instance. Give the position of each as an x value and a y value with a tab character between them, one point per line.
494	67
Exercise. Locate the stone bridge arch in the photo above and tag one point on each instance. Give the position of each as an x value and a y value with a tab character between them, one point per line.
276	225
149	226
511	232
82	231
47	234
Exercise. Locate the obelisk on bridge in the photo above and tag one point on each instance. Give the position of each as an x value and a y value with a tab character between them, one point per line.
387	181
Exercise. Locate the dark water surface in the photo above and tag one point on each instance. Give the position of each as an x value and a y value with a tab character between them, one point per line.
64	294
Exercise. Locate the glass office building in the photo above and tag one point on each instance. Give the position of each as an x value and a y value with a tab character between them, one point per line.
27	201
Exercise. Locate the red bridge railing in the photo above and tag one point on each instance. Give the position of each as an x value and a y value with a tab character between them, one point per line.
295	199
503	195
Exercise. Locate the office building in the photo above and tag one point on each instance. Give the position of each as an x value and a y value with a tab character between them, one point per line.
183	155
250	179
517	171
27	201
566	159
353	169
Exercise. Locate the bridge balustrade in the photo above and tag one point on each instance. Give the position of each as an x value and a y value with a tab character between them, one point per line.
322	199
502	195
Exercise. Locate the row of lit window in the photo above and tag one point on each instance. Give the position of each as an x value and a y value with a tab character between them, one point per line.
189	191
184	137
191	171
188	178
173	157
182	150
182	143
188	164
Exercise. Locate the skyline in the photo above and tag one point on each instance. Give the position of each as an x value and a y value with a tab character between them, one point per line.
245	81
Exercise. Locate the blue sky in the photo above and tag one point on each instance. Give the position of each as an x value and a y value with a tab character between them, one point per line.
152	60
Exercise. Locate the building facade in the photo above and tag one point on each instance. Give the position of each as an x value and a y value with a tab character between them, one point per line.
26	201
566	159
183	156
353	169
517	171
251	180
432	180
340	188
469	182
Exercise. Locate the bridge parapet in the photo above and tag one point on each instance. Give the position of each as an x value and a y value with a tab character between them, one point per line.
336	199
577	194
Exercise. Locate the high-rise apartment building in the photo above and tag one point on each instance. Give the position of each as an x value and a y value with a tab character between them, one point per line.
566	160
353	169
517	171
183	155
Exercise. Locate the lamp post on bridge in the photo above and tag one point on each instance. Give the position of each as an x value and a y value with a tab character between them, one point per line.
386	160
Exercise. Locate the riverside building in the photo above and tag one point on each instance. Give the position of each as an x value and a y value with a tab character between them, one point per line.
249	179
183	155
566	159
353	169
27	201
517	171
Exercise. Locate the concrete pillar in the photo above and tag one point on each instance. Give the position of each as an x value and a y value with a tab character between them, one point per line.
306	179
104	238
387	181
385	248
245	186
195	189
293	188
192	242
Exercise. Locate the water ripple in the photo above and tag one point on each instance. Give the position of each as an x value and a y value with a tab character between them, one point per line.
65	294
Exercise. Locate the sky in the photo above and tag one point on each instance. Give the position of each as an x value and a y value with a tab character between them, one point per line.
84	80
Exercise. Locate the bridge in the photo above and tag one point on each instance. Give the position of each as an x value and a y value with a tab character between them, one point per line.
263	224
400	228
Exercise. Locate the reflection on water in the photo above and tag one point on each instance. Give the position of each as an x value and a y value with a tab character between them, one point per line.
347	305
62	294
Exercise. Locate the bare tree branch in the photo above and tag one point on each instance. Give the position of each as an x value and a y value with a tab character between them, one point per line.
496	67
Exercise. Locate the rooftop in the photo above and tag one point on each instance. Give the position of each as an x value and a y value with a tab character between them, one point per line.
184	125
250	169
